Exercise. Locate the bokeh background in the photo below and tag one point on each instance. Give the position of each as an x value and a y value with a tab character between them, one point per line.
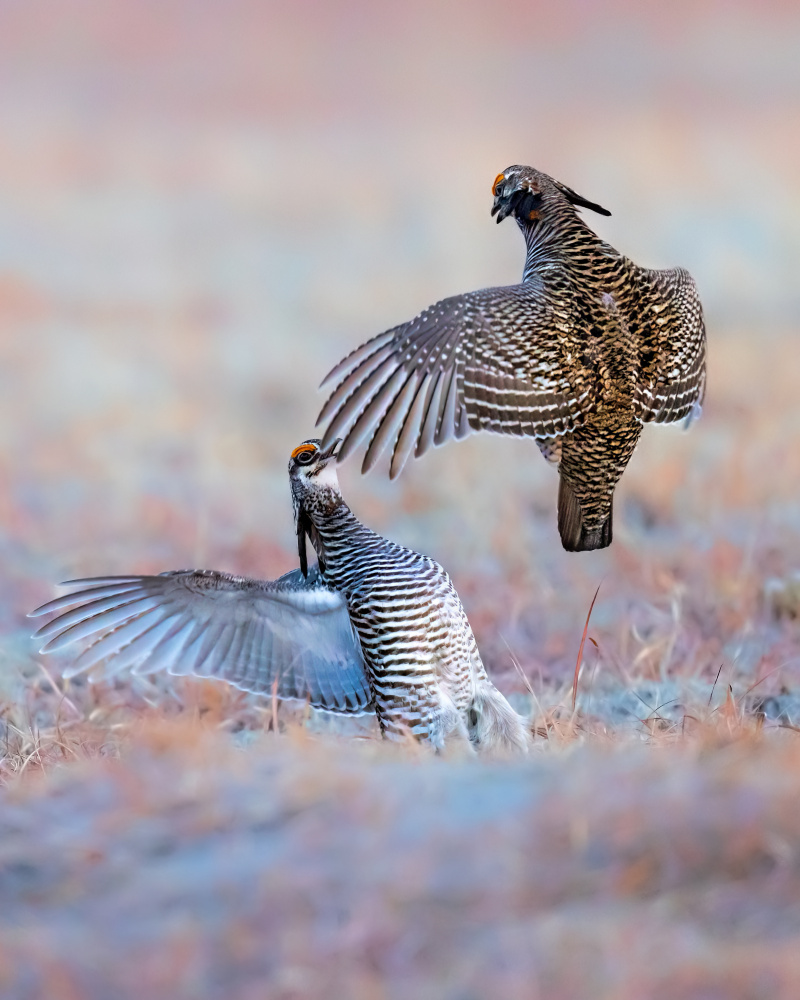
203	206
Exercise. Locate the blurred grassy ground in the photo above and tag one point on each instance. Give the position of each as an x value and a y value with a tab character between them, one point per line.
304	869
204	206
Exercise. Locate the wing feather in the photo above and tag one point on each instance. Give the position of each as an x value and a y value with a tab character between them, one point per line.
172	648
111	642
92	593
373	414
430	416
138	650
673	372
93	608
111	618
351	381
292	632
409	429
446	429
359	355
488	360
402	406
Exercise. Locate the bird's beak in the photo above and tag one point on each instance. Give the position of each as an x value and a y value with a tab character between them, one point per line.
501	207
331	451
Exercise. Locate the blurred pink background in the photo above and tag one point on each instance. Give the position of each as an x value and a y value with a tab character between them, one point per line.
204	205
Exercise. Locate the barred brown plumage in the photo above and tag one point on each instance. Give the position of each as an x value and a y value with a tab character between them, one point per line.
374	627
424	668
587	348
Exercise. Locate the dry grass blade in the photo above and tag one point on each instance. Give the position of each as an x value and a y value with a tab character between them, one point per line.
64	700
714	685
580	649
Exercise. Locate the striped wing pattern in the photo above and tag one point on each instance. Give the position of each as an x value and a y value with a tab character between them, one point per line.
292	634
487	360
673	384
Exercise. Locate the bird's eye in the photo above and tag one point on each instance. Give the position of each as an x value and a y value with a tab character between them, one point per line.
305	457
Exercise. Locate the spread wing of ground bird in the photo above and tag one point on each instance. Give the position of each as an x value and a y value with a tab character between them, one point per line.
580	354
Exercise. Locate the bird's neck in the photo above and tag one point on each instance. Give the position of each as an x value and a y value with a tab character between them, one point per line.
559	240
337	526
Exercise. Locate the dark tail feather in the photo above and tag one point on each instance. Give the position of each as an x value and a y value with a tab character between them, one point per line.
574	536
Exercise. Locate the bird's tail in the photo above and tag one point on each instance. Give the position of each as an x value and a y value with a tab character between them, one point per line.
575	537
493	723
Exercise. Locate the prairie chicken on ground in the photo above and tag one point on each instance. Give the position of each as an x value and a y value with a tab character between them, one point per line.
578	356
374	627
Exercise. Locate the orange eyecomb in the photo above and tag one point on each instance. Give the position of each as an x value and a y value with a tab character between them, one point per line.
500	177
301	448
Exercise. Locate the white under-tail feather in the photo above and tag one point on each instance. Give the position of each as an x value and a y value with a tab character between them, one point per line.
494	725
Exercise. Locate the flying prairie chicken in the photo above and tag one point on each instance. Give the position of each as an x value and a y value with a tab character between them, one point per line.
373	627
587	348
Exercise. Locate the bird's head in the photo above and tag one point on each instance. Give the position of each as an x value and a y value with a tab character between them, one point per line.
312	468
526	194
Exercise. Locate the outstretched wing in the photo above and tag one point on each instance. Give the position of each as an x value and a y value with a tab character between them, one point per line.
673	362
497	360
292	634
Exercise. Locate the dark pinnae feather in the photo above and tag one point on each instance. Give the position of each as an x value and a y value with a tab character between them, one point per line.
577	199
